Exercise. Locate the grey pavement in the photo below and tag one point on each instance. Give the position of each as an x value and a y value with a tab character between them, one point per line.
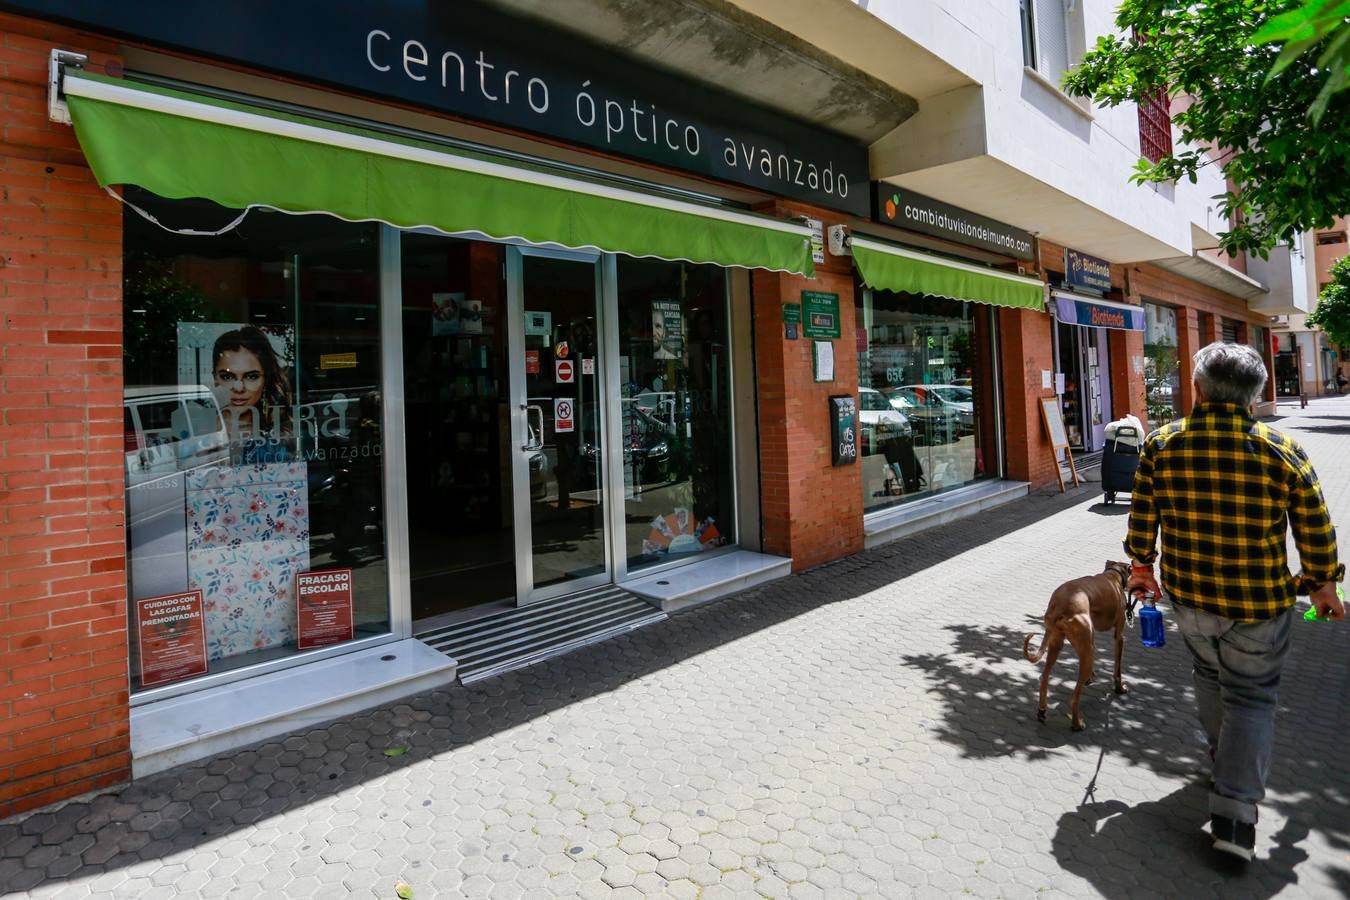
864	729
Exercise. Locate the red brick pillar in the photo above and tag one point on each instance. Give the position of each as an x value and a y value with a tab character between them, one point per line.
1213	333
1025	340
1188	343
812	511
63	618
1127	374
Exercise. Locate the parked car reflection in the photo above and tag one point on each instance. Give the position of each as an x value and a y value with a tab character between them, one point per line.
931	421
957	400
879	421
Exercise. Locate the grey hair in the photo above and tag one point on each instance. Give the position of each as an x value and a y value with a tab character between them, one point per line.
1230	373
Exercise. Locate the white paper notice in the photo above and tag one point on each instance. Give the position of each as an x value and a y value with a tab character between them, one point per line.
1059	382
1045	379
824	361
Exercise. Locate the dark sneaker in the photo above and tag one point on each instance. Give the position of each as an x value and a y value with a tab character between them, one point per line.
1233	837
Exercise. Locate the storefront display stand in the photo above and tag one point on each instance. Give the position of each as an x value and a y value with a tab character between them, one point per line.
209	722
941	509
707	580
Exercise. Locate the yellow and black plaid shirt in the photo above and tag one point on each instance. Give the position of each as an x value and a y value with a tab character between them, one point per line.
1221	486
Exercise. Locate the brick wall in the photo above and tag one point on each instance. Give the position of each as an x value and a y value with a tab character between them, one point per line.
812	510
63	631
1128	389
1027	348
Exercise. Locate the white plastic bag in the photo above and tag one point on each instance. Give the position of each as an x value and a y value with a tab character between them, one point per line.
1132	440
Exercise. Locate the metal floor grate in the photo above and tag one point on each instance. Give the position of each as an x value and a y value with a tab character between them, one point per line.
520	637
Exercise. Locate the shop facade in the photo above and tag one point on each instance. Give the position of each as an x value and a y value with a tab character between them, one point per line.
1084	321
1181	316
340	366
933	280
313	355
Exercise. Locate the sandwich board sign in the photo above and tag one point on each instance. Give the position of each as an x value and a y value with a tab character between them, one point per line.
1059	439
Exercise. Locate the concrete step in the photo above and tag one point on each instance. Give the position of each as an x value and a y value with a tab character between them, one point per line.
709	579
209	722
930	512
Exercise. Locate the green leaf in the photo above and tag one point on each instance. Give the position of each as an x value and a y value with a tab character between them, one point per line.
403	889
396	751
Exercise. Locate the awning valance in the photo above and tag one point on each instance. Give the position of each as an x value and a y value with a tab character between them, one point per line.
1098	313
891	268
178	144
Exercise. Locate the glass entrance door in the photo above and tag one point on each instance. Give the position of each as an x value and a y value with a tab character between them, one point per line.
558	423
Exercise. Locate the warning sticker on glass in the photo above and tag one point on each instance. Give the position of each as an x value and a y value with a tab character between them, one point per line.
563	415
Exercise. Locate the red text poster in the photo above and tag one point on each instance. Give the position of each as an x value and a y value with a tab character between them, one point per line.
172	636
324	608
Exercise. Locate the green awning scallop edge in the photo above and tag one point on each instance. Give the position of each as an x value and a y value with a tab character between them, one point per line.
888	268
177	144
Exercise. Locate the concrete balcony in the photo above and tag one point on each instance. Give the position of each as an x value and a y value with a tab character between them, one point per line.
1285	273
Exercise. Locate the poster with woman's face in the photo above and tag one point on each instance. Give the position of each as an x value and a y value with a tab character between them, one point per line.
249	370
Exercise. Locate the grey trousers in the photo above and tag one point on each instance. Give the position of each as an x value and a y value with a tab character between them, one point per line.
1237	682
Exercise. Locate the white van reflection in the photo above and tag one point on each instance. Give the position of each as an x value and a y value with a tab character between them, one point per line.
167	431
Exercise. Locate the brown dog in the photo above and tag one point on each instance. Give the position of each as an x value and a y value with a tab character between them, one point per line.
1077	610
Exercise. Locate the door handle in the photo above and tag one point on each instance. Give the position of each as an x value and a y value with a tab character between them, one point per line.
534	439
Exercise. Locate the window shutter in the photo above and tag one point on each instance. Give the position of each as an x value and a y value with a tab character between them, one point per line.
1052	39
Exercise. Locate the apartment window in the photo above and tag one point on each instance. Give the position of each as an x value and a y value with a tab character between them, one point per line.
1045	37
1330	237
1028	34
1155	125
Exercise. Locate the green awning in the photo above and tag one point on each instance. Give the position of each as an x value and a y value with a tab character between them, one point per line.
890	268
178	144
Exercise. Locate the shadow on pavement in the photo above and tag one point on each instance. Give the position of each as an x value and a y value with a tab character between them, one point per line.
1149	848
989	711
180	809
1120	508
1326	429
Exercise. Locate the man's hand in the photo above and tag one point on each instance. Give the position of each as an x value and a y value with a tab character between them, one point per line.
1327	604
1141	579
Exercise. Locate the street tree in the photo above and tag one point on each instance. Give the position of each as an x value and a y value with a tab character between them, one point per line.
1257	112
1332	314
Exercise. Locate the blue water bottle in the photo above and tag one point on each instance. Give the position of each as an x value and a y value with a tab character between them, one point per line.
1151	625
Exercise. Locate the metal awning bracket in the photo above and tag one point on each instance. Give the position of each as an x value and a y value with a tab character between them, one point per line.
57	110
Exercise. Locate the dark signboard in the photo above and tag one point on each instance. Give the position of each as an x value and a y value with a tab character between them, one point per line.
820	315
1083	271
905	209
469	60
1098	315
843	430
323	608
792	320
171	637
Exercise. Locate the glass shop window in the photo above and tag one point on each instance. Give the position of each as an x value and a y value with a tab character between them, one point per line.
926	420
253	449
676	402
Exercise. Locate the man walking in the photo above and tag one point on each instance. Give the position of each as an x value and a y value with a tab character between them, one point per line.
1220	487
